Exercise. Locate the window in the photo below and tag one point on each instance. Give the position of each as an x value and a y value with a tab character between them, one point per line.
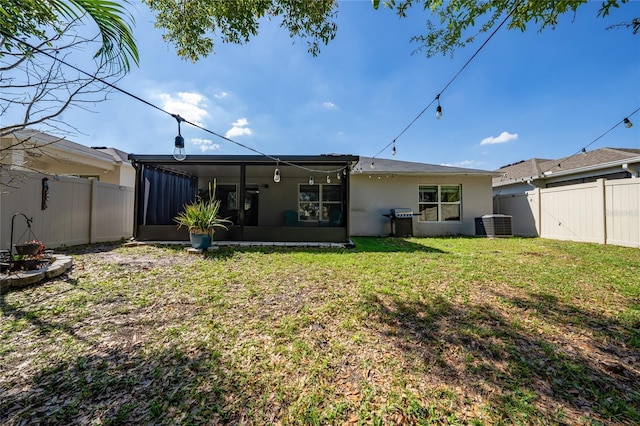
321	203
438	203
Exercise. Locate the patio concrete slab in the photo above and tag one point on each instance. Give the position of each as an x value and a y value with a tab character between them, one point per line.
219	244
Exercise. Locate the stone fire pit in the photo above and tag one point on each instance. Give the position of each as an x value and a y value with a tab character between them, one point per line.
12	279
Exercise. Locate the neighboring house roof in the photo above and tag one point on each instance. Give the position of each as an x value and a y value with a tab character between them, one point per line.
590	161
118	155
58	148
384	166
36	151
521	169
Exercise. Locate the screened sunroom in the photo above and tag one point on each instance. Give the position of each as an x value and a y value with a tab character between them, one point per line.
291	199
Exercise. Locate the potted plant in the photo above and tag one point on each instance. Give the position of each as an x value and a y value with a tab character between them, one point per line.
31	248
201	219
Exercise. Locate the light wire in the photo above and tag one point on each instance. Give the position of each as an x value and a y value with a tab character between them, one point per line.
446	86
584	149
176	116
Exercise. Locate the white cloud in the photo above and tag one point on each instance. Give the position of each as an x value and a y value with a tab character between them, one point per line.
240	122
329	105
187	105
221	95
205	144
239	128
503	138
469	164
191	98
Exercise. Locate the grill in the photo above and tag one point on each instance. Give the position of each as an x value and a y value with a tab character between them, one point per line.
401	222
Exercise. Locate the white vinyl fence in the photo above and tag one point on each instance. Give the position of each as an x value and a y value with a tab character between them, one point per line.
605	212
78	211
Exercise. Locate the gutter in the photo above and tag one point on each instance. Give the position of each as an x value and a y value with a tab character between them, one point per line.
592	168
634	170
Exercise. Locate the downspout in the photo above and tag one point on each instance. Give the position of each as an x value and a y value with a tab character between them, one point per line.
240	198
136	196
635	171
347	216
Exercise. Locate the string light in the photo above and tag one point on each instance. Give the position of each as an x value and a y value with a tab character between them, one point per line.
311	181
276	176
179	142
373	166
393	151
583	150
328	179
179	152
453	78
438	108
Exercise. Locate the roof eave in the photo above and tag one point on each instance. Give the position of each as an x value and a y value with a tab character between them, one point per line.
244	159
616	163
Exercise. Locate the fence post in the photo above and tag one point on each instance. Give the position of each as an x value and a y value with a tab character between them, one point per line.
536	209
93	211
602	198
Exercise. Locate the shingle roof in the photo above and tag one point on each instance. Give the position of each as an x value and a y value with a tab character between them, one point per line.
537	166
382	165
521	169
591	158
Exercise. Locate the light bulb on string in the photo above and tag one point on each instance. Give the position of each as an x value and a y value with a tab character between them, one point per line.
344	172
276	175
393	151
584	151
373	165
311	181
328	179
338	176
179	152
627	123
438	108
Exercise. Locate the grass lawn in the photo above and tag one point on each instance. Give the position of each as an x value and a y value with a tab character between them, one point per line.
396	331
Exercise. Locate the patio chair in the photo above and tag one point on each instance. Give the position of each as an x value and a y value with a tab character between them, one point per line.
291	218
335	217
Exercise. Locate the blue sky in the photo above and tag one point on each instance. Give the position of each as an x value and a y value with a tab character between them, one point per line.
525	95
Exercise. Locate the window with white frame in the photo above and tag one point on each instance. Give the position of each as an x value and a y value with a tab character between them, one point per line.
439	203
321	203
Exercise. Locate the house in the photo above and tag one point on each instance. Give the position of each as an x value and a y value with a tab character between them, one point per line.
72	193
34	151
445	200
325	198
592	196
589	166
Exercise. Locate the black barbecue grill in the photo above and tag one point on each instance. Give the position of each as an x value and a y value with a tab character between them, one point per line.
401	222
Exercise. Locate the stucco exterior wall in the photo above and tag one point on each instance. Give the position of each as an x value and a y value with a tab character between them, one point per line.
372	197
